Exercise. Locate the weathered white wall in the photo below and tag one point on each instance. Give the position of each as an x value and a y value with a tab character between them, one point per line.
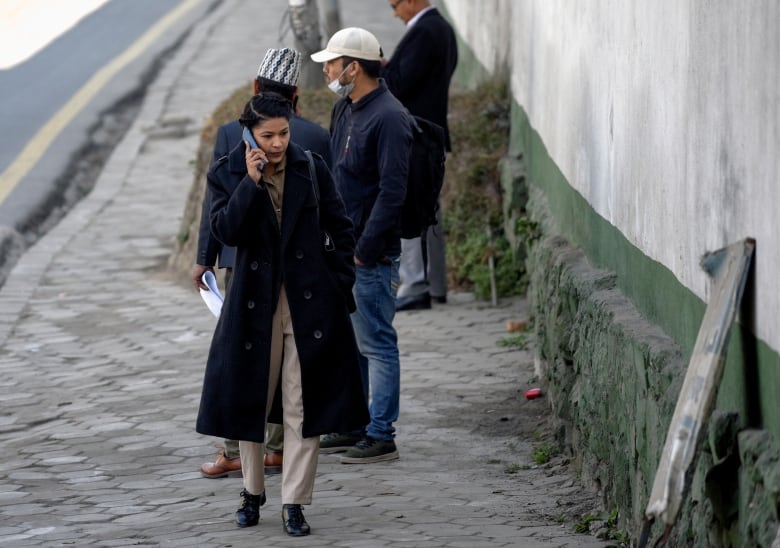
489	40
663	115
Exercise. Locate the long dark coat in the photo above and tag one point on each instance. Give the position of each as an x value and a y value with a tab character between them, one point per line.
319	291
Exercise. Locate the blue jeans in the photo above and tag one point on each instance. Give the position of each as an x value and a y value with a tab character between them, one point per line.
375	291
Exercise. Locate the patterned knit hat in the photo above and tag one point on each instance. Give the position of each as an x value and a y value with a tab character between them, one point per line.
281	65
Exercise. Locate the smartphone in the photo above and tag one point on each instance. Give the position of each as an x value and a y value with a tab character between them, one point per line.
251	143
249	138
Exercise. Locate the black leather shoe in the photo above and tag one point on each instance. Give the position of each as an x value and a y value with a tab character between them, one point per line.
248	514
441	299
293	520
413	302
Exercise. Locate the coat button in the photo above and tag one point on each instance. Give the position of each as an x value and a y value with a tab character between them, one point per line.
248	345
250	304
254	265
299	254
318	334
307	294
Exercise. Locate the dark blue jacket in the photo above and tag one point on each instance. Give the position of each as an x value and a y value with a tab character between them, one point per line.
370	145
420	70
303	132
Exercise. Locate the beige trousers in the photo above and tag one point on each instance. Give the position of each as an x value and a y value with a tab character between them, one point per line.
299	461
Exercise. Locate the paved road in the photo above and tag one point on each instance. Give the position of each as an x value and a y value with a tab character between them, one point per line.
103	353
64	109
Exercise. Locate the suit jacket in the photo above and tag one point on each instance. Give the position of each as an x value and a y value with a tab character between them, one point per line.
303	132
420	70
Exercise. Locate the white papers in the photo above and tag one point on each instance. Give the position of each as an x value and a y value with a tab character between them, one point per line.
212	298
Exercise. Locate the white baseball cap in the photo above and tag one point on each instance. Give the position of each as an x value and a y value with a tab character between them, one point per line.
350	42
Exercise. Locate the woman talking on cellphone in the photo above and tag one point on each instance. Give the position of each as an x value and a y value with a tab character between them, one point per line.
283	346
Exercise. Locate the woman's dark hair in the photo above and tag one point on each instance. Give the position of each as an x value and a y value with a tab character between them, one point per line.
272	86
264	106
372	68
266	84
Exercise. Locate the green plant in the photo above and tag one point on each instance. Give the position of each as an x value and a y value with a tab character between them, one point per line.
512	468
613	518
622	537
583	524
470	260
543	453
528	230
472	194
515	341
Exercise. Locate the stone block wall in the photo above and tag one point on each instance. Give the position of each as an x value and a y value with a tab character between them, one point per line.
613	379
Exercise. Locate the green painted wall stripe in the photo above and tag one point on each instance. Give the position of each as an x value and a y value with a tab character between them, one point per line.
653	289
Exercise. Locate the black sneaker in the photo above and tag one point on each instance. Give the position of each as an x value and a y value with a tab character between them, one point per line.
337	443
370	450
293	520
248	514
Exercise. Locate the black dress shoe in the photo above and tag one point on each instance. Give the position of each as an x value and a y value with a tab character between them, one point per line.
441	299
248	514
293	520
414	302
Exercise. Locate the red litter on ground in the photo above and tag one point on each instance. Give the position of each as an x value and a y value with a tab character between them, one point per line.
533	393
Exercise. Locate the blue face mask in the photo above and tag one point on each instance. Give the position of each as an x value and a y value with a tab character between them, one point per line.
342	90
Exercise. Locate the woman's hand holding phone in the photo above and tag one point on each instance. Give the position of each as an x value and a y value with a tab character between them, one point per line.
256	159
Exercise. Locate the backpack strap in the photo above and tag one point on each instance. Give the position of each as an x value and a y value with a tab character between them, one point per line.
313	177
327	241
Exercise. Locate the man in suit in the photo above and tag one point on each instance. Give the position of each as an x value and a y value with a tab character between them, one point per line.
419	74
278	72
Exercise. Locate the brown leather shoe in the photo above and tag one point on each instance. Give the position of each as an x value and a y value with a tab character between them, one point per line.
224	467
273	463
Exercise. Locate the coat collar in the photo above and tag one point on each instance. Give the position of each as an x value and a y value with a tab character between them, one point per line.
370	96
422	13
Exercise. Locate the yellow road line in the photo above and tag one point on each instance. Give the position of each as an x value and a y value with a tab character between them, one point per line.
36	146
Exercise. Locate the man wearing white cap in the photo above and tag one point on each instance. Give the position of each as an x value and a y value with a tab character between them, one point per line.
278	72
371	140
